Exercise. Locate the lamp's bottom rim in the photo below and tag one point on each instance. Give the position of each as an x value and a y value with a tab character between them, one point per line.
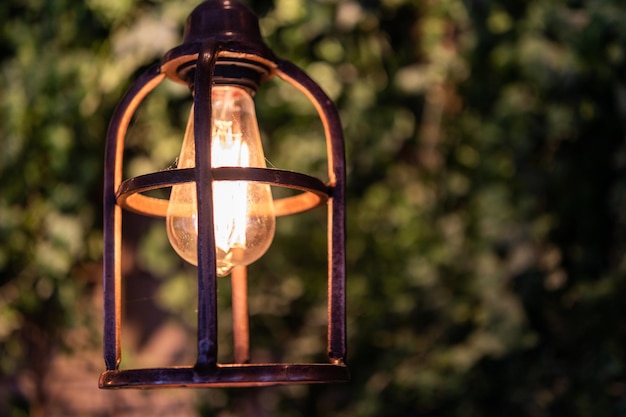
231	375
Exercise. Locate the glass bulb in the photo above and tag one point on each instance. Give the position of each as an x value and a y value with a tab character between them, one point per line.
243	211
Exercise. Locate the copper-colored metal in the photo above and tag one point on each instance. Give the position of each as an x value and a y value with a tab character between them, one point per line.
337	344
232	375
207	262
114	150
315	192
241	324
222	44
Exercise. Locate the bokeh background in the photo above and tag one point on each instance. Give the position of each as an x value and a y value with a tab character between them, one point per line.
486	201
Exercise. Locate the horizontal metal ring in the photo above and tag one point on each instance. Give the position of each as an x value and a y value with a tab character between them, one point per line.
314	192
230	375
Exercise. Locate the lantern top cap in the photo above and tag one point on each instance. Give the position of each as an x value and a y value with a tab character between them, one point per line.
234	30
222	19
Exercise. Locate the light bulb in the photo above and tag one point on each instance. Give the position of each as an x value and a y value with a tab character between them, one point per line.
243	211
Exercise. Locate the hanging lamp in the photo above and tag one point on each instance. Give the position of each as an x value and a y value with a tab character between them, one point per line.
220	214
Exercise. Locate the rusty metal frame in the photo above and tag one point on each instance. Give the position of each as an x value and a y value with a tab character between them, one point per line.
203	56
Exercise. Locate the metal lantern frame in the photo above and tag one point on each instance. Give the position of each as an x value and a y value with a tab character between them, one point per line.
222	44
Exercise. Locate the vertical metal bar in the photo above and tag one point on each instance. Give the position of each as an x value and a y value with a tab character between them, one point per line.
112	213
112	284
207	282
241	326
337	345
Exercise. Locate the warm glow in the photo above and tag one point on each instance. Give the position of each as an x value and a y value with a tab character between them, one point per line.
243	211
232	208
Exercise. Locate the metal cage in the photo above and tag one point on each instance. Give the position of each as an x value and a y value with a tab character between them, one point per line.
222	43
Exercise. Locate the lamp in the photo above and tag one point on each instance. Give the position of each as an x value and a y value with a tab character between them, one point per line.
220	215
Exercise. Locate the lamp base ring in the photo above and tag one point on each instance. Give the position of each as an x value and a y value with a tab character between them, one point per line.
224	376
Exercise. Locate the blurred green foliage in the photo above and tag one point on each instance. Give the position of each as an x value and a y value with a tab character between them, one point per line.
486	192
